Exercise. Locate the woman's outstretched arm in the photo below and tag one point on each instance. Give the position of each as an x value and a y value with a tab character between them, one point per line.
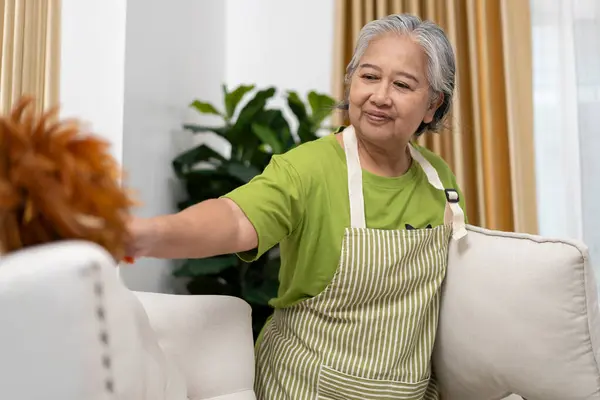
210	228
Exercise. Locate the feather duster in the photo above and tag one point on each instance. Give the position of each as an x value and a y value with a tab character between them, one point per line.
58	182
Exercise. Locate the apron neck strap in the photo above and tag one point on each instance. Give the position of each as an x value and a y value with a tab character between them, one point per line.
355	186
453	215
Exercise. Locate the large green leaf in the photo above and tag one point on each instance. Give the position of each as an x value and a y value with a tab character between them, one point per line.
244	173
207	184
274	119
232	99
269	137
306	132
250	151
219	130
242	126
185	161
248	145
261	294
267	117
205	108
321	107
206	266
280	125
261	158
297	105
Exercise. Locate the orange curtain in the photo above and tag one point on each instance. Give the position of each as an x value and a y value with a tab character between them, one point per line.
29	52
488	138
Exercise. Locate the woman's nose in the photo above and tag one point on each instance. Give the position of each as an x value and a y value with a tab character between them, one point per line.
380	96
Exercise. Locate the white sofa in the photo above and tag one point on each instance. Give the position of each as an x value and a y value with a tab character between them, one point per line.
519	314
70	330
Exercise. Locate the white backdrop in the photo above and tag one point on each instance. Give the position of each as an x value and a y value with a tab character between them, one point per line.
92	65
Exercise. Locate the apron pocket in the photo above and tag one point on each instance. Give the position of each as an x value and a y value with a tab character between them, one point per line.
335	385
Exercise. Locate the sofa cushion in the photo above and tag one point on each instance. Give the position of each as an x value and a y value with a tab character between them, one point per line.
519	314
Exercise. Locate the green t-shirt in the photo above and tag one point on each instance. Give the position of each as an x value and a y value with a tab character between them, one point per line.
300	201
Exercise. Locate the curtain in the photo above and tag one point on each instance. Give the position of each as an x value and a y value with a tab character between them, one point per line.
488	140
566	65
29	51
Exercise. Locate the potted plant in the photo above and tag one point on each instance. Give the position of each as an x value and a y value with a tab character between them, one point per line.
255	132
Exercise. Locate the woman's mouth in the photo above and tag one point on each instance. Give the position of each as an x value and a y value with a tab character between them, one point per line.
377	117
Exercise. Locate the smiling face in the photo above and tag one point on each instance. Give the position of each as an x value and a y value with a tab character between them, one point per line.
389	92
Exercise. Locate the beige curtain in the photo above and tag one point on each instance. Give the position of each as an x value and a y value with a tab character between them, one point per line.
488	141
29	52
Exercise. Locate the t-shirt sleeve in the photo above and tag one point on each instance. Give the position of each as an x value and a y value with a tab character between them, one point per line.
273	202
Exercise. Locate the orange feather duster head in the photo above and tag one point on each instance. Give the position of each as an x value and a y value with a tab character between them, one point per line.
58	182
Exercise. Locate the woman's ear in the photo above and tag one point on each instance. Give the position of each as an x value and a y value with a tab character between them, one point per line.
434	104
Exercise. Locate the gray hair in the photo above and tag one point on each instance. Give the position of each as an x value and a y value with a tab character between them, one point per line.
441	68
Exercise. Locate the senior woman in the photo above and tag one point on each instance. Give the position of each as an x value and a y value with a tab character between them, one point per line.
363	218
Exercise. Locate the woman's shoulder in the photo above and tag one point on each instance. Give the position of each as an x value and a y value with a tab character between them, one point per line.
315	156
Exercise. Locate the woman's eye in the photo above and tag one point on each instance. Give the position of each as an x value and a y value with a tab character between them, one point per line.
369	77
401	85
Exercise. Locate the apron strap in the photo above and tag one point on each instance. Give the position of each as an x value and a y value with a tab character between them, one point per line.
355	186
453	214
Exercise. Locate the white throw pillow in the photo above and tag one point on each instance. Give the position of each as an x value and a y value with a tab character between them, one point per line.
519	314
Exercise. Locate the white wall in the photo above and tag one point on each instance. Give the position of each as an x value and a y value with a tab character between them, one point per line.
174	52
285	43
135	80
92	65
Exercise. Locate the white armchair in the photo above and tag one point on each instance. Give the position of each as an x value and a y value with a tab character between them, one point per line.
70	330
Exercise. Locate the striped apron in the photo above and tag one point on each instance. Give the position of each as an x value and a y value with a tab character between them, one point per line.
370	333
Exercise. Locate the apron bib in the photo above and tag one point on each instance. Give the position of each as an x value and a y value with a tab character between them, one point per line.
370	333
